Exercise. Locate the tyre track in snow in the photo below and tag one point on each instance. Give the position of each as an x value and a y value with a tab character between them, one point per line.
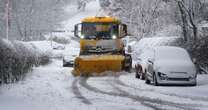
77	92
148	102
155	101
84	83
119	82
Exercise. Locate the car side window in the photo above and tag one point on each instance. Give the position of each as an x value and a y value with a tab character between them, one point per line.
150	54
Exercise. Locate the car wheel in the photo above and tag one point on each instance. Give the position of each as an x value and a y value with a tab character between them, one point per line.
147	81
64	65
155	80
143	76
194	84
137	76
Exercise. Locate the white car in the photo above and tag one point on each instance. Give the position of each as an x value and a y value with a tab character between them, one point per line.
57	46
142	62
68	59
171	65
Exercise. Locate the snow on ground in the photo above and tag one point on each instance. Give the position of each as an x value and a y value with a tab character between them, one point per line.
44	88
53	87
197	95
47	47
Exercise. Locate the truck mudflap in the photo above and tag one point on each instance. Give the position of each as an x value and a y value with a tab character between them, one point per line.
96	65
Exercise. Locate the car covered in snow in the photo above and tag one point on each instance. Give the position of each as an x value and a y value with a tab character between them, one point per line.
68	59
171	65
57	46
142	62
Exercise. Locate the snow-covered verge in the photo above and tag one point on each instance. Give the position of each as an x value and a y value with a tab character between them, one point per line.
53	87
17	58
49	47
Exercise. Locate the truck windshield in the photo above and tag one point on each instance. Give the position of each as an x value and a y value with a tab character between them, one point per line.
100	30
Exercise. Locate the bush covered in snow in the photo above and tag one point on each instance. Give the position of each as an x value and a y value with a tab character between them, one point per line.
198	50
17	58
60	39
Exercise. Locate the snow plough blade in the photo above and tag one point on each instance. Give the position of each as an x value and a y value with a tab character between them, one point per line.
95	65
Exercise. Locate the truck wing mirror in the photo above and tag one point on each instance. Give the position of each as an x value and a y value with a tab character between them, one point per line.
77	30
123	30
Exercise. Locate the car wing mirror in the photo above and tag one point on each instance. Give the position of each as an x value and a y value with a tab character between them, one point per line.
194	60
150	61
139	59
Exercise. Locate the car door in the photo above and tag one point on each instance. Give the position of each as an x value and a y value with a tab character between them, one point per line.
150	64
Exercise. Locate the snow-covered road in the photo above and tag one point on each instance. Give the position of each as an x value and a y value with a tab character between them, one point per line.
52	87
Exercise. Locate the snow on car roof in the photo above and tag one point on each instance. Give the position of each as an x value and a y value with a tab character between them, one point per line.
168	48
170	52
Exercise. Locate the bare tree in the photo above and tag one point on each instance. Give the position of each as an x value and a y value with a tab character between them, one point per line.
190	11
29	18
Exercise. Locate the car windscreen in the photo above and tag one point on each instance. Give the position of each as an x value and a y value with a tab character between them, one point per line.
171	53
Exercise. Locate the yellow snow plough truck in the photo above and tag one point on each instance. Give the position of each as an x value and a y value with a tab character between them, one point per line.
101	47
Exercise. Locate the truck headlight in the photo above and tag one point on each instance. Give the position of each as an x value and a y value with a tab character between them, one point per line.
114	37
82	36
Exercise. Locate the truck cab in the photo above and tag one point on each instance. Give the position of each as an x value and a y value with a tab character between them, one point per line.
100	45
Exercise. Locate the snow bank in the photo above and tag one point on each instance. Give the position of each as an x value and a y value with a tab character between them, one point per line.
17	58
47	47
